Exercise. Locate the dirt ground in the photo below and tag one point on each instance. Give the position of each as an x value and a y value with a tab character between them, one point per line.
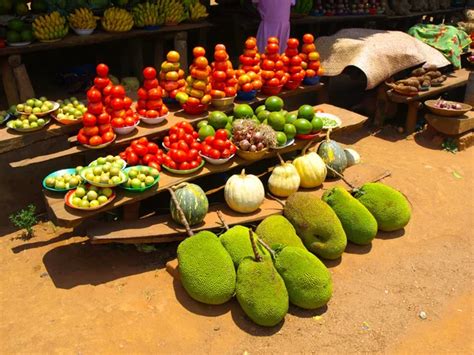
60	294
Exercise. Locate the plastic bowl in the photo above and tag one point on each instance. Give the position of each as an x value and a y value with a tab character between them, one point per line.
123	176
311	80
252	156
271	90
246	95
184	172
42	114
140	189
153	121
307	137
101	145
223	103
292	85
126	129
69	196
58	173
216	161
83	32
287	144
195	110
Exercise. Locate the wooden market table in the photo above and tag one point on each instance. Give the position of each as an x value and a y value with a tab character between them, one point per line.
16	81
456	79
62	215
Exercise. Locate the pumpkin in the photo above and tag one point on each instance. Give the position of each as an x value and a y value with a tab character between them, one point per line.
244	193
333	155
353	158
193	201
284	180
311	169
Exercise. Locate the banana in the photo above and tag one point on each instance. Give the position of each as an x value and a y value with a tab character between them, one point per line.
197	11
174	11
147	14
50	27
117	20
83	19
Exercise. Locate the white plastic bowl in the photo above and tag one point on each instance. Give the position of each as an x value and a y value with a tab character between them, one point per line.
216	161
153	121
83	32
126	129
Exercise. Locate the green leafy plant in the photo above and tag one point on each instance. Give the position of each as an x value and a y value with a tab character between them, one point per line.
450	145
25	219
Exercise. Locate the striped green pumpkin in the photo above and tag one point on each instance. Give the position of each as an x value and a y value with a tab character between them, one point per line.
333	155
193	201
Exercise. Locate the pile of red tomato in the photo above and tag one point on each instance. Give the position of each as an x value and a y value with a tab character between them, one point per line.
97	129
310	57
218	146
118	106
248	74
198	86
273	73
292	64
171	75
223	81
143	152
183	147
150	103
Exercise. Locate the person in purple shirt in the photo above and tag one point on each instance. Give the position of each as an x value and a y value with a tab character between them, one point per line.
275	21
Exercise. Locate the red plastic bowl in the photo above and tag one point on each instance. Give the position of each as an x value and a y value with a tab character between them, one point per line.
292	85
307	137
195	110
271	90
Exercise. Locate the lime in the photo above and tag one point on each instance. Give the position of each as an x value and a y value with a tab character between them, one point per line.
243	111
218	119
317	124
281	138
206	131
26	36
291	117
276	120
13	37
274	103
306	111
290	130
263	115
260	109
303	126
228	128
202	123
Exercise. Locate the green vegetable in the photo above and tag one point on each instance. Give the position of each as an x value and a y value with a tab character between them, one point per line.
333	155
277	230
193	202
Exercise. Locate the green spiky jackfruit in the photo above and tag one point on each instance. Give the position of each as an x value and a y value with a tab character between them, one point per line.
358	223
389	207
307	279
206	269
317	225
236	242
277	230
261	292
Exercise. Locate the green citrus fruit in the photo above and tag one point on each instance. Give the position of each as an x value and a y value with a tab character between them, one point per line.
306	111
274	103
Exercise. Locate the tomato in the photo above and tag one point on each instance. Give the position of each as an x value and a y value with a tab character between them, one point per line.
182	145
154	164
174	137
150	84
232	81
214	154
89	120
82	138
219	75
155	93
188	128
206	148
140	149
102	70
201	62
193	154
250	43
152	114
189	139
195	135
142	140
95	108
273	40
272	48
149	73
132	158
308	38
232	149
273	82
230	91
116	104
94	95
127	103
279	65
267	74
178	156
95	140
118	122
107	90
123	155
105	128
154	104
247	87
166	141
218	144
196	145
174	145
199	52
268	64
108	136
181	133
292	43
296	61
129	121
226	153
221	134
194	164
220	55
184	166
172	165
101	83
142	94
118	91
209	140
152	148
218	90
103	118
199	159
148	158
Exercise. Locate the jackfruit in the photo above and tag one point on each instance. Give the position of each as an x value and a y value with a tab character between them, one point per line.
236	242
307	279
277	230
206	269
261	291
360	226
389	207
317	225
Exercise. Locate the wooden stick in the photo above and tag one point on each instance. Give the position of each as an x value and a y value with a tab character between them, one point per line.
281	159
258	257
383	176
181	214
266	246
221	217
341	177
307	146
276	199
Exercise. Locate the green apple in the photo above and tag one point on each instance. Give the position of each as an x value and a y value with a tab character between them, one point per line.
34	125
96	180
76	201
80	192
136	183
74	181
84	204
102	199
41	122
94	204
94	188
30	102
32	118
43	98
90	176
154	172
149	180
50	181
132	173
92	195
101	161
104	179
18	124
116	180
36	110
97	170
107	192
78	169
38	103
141	177
26	125
106	168
60	185
20	107
28	109
109	158
114	171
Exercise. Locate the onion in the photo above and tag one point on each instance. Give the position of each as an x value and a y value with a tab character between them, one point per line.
257	137
260	146
244	145
253	148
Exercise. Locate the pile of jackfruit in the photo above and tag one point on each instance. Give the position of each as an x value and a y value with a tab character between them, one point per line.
279	263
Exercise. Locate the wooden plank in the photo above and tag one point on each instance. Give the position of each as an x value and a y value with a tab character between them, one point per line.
9	82
451	125
73	40
162	229
150	131
25	89
62	215
454	80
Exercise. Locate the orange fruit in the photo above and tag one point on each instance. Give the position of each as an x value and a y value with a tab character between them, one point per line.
199	52
172	56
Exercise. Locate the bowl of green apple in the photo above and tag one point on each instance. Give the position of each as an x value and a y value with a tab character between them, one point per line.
140	178
63	180
70	111
28	123
39	107
89	197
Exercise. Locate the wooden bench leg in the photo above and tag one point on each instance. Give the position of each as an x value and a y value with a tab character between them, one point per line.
131	211
412	116
23	82
9	83
181	46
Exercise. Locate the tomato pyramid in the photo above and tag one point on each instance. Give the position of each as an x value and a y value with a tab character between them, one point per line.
273	73
223	81
150	103
172	76
118	107
310	57
292	64
248	74
199	86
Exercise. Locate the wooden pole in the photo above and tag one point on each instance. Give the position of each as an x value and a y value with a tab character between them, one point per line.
181	214
221	217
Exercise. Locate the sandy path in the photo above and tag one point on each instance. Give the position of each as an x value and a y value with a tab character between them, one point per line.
60	294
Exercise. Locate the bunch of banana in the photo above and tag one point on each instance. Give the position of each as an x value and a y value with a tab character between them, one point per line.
83	19
174	12
50	27
162	5
197	11
147	14
117	20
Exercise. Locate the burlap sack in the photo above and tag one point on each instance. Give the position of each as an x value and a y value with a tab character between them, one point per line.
379	54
